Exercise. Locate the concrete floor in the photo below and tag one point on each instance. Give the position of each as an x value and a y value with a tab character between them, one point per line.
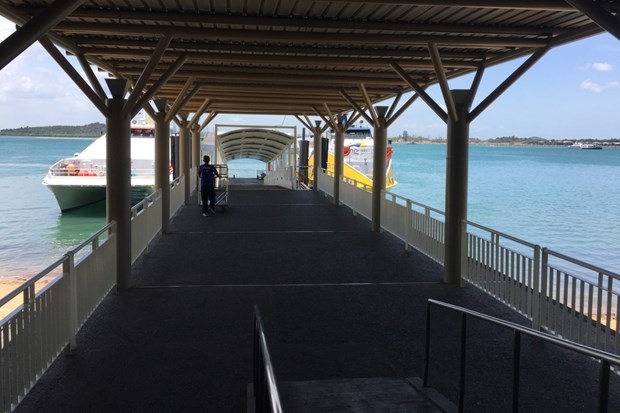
344	309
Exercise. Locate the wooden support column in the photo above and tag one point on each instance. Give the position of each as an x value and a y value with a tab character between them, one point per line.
184	148
378	166
316	155
118	178
338	159
456	187
196	151
162	161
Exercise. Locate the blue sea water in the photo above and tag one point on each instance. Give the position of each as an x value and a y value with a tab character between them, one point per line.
563	199
33	232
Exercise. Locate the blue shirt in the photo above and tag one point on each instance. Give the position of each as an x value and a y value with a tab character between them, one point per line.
207	175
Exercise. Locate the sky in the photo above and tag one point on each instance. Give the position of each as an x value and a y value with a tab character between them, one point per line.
573	92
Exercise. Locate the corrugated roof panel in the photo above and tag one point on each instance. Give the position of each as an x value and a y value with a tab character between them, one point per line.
323	45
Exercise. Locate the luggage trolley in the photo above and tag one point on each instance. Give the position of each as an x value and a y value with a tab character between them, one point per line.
221	186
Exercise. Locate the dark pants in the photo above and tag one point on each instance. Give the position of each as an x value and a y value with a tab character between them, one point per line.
207	193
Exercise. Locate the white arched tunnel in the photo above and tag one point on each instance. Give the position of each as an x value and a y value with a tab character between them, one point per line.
253	143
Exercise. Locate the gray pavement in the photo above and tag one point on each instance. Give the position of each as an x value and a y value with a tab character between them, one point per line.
344	308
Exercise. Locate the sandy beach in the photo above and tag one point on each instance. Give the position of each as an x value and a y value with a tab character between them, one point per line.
7	286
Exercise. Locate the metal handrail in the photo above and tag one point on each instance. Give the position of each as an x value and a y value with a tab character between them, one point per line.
93	239
266	395
606	359
582	263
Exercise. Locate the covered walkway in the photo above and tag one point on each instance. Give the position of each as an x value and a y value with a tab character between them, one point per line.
344	308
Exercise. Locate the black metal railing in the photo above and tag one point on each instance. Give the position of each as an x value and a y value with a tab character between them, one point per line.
606	360
266	394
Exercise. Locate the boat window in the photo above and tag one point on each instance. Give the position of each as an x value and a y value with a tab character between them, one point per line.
146	132
357	133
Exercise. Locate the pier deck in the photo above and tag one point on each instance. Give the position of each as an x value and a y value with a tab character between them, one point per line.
344	309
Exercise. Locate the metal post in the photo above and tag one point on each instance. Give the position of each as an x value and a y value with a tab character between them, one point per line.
69	271
463	362
378	167
427	347
544	271
338	160
456	187
603	395
294	180
535	310
195	152
516	369
184	155
118	178
162	161
409	226
316	155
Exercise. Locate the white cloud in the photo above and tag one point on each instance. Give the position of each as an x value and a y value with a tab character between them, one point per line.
602	67
6	28
597	88
34	91
597	67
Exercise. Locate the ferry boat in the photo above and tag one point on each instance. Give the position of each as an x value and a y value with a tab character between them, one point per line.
358	158
80	180
578	145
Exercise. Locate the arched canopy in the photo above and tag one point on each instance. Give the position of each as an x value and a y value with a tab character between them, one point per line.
253	143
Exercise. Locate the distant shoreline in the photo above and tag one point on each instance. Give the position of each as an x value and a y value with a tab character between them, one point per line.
606	145
92	130
48	137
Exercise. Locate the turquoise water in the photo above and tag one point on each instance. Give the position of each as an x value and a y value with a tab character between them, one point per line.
245	168
563	199
34	232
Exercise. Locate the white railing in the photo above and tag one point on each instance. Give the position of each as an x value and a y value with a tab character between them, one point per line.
582	301
559	294
504	266
357	196
146	217
418	225
177	195
145	224
54	305
326	182
284	177
50	308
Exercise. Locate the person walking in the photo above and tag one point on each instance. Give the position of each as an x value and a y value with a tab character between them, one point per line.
207	174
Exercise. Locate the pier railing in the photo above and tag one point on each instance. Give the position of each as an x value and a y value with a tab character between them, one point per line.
606	361
145	224
146	217
559	294
283	177
266	395
50	308
54	305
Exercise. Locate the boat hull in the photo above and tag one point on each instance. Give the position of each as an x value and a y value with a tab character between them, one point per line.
352	174
76	192
81	180
76	196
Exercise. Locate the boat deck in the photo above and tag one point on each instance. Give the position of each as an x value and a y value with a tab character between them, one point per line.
344	310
